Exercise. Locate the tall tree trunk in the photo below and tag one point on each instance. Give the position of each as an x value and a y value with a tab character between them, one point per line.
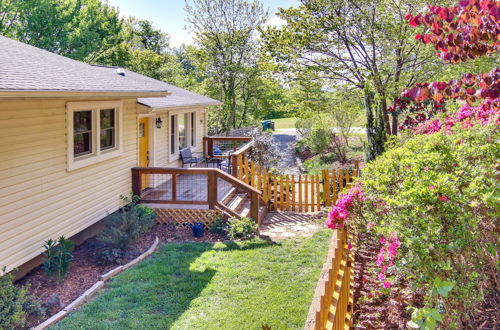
375	128
394	124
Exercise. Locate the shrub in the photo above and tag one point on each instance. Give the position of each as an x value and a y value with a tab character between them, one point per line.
265	151
244	228
122	229
58	256
12	300
440	195
218	226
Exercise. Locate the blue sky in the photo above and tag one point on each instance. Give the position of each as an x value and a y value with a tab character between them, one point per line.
169	15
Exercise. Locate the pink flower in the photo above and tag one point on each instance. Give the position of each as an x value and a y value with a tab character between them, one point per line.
426	168
381	276
387	284
370	226
349	246
444	198
432	187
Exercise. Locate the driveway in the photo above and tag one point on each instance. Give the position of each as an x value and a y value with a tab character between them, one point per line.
286	139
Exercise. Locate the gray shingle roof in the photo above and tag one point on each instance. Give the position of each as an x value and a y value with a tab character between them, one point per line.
27	68
179	97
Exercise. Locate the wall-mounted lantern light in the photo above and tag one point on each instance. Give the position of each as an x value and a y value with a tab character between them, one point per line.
159	122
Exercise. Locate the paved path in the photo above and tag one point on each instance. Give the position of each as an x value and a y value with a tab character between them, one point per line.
283	225
286	139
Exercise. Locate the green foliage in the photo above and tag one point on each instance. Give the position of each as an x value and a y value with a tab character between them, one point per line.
244	228
218	226
122	229
58	257
12	300
442	199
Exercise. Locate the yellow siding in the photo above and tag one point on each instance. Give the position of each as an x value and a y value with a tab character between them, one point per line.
39	199
162	138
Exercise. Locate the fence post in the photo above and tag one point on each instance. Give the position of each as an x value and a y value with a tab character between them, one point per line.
212	189
136	182
210	148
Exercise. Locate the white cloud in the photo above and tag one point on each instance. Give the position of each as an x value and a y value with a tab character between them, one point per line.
275	21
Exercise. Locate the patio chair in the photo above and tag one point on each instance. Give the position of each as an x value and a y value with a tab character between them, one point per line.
225	165
187	157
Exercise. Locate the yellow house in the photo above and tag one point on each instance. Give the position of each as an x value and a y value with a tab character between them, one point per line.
69	134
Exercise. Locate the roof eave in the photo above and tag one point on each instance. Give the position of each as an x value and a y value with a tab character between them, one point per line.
79	94
182	107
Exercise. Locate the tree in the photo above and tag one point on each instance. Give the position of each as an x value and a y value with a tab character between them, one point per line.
225	31
80	29
461	32
360	43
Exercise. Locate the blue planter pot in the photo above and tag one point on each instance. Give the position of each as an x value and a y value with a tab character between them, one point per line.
197	229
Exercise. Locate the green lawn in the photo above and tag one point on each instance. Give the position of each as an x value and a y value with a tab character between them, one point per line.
212	286
284	122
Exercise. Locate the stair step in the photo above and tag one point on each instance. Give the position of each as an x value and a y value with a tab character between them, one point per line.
235	202
228	196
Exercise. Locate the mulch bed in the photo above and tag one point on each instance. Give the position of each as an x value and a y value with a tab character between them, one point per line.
390	312
372	311
84	272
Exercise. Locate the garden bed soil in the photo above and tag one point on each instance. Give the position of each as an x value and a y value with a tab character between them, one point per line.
390	311
372	311
84	272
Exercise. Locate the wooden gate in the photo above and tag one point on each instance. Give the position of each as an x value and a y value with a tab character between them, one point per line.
297	193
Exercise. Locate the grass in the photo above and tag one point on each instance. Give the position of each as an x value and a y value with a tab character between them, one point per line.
284	122
212	286
328	160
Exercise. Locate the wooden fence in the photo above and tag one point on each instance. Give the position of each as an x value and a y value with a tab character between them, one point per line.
333	302
297	193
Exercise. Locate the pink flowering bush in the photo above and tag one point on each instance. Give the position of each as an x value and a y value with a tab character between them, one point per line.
433	204
340	214
467	117
434	201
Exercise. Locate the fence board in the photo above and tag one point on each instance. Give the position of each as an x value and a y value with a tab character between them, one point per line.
294	193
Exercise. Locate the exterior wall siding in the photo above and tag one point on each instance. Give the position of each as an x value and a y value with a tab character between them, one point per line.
39	198
163	158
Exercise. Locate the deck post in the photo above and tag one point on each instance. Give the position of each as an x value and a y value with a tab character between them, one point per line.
212	189
254	208
136	182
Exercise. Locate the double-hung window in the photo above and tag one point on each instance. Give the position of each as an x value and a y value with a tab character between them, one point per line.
94	132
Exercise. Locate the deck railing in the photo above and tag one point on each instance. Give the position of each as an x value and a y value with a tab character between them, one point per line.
225	144
332	305
202	187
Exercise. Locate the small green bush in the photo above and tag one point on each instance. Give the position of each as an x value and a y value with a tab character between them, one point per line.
12	301
218	226
58	257
244	228
122	229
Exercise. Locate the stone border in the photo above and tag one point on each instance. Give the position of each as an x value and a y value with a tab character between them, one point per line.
87	295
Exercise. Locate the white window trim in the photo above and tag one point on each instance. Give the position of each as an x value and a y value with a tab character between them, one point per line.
97	155
190	134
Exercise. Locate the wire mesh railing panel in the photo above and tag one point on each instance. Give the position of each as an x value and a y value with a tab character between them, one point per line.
224	188
156	187
191	187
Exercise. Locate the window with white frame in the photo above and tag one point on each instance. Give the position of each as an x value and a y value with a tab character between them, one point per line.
182	131
94	132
